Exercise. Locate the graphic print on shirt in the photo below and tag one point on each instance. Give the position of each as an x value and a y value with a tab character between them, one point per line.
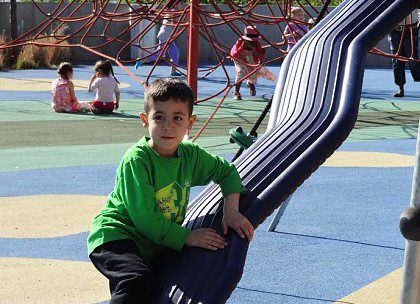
172	201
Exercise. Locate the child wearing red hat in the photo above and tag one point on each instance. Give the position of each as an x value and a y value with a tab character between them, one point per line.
248	57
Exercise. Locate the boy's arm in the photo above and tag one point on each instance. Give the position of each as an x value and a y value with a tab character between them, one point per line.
139	200
234	219
210	167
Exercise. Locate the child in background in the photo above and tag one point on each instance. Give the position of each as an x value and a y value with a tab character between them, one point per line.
62	90
106	87
143	214
295	29
163	35
246	54
311	23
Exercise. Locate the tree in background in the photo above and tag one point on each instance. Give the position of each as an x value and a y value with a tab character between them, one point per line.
13	30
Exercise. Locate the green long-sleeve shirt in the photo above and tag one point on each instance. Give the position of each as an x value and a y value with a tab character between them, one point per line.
151	194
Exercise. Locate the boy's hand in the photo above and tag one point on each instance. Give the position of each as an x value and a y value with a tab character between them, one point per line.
205	238
235	220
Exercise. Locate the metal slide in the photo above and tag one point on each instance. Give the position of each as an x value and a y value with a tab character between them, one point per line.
314	109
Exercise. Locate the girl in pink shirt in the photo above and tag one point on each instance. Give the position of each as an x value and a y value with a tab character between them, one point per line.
62	90
106	88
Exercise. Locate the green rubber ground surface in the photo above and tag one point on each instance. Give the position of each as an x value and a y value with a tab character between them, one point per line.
89	136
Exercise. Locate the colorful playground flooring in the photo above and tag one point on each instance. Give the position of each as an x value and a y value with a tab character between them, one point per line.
338	241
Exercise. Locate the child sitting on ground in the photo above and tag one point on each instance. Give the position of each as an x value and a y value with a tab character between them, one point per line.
106	87
246	54
144	212
62	90
295	29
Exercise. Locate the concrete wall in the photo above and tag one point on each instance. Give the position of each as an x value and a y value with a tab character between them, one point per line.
29	16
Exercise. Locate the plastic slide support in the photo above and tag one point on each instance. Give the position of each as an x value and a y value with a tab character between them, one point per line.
238	136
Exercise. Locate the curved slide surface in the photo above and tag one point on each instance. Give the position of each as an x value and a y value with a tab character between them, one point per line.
315	106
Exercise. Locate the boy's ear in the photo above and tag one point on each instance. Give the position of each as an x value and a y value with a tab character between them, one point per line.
192	120
143	118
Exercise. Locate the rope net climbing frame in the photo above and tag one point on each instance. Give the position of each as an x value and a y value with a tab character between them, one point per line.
86	24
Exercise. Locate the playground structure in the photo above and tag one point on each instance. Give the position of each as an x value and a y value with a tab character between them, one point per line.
87	25
286	122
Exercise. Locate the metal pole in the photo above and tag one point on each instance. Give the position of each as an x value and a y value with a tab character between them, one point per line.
192	59
410	293
279	214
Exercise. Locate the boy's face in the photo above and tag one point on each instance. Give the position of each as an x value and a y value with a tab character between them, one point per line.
167	123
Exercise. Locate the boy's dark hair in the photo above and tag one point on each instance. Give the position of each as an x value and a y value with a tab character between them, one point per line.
165	88
105	67
64	69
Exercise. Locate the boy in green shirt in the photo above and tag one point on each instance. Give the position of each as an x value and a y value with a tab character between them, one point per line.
144	212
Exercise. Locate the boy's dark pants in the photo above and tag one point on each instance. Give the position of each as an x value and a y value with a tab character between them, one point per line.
131	280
